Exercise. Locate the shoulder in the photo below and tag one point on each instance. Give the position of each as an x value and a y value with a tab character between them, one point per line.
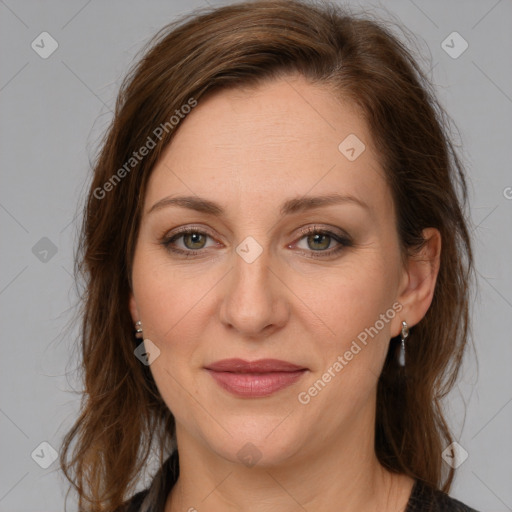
427	499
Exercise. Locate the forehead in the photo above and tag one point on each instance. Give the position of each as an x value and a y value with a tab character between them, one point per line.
281	138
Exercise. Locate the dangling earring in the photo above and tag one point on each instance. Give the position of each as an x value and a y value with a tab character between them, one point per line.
404	335
138	329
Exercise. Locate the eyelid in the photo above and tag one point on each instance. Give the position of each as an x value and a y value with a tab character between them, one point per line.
183	230
324	229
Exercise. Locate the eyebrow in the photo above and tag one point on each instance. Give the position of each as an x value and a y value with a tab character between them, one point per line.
291	206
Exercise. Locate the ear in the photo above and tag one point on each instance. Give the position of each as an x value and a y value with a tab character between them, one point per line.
133	308
419	281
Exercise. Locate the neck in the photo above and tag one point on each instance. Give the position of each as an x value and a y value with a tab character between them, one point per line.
344	474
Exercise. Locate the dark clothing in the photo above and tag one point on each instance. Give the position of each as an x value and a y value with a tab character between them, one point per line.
423	498
426	499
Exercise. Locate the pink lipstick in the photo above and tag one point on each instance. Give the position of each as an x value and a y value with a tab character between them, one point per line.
254	379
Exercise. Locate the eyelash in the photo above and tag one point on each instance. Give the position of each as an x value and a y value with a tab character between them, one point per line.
343	242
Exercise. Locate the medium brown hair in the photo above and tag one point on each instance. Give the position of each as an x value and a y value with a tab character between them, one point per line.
122	413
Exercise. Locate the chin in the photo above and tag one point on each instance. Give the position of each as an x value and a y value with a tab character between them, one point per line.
258	443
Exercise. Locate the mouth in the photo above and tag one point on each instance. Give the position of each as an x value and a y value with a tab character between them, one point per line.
253	379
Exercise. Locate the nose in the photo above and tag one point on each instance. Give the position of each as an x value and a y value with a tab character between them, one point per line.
254	301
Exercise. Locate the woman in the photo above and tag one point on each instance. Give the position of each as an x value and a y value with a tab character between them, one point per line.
277	264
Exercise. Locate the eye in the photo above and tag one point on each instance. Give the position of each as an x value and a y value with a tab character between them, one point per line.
192	241
319	242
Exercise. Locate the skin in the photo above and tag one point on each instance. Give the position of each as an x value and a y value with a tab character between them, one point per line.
249	150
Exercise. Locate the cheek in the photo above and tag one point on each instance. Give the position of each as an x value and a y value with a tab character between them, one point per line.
351	304
169	304
168	298
352	357
351	299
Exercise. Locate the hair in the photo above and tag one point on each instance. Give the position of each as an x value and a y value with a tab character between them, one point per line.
242	45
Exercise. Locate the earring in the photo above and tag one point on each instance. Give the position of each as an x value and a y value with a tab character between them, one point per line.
138	329
404	335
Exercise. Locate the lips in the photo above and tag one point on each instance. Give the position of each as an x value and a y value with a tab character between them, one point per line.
259	366
252	379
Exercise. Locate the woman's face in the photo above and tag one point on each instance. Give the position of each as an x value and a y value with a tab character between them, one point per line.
254	284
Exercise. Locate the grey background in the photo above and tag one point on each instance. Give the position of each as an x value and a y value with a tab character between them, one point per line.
55	109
